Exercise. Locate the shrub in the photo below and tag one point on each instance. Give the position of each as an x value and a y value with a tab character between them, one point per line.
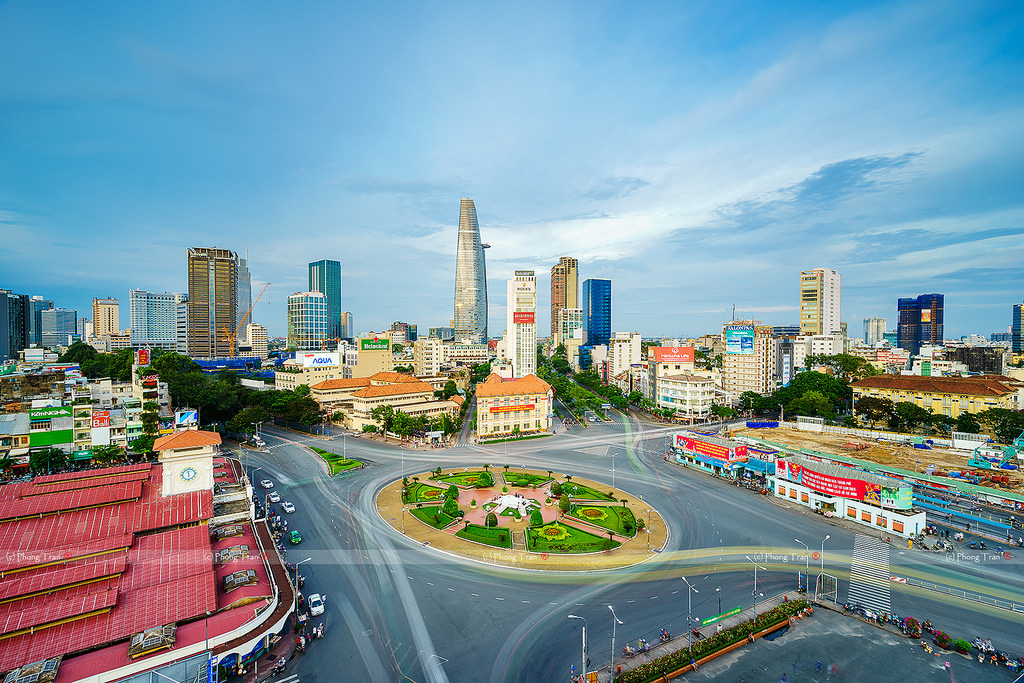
473	502
563	504
536	518
484	480
556	489
913	627
961	646
640	525
942	639
504	489
516	514
451	507
502	538
491	521
452	492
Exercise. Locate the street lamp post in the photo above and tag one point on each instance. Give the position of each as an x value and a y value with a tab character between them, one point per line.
756	567
689	604
827	536
648	529
719	591
584	657
807	560
611	662
295	587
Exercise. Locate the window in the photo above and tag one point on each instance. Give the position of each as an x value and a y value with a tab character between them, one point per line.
897	527
865	516
851	512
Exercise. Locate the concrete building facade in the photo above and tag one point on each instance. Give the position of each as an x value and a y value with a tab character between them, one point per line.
521	322
565	292
820	293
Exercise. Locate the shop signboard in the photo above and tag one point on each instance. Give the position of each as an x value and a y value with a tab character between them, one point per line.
525	273
901	498
523	318
142	357
509	409
8	368
48	413
739	339
100	418
856	489
184	418
673	354
322	359
374	345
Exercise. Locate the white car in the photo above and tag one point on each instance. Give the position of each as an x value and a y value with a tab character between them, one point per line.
274	497
267	484
316	605
287	507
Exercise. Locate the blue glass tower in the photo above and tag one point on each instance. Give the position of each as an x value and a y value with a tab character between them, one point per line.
325	277
597	312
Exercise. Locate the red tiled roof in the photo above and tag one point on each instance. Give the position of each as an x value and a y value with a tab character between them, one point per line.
36	489
392	377
52	607
379	390
49	578
496	386
190	438
969	386
90	474
70	500
331	384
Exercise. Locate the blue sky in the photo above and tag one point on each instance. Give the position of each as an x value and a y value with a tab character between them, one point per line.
698	154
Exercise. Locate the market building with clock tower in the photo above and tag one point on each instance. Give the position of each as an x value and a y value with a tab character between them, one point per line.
187	459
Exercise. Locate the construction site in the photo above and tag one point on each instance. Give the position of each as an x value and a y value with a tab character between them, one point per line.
925	457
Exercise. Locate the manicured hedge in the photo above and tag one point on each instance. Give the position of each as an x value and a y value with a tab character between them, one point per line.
702	648
433	516
480	534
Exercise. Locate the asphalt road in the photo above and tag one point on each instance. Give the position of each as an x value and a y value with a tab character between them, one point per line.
400	611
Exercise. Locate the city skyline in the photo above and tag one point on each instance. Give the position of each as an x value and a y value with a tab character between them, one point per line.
749	144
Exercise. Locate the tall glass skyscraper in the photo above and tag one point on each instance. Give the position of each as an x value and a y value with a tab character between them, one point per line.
243	298
597	311
920	321
307	321
154	318
470	278
325	277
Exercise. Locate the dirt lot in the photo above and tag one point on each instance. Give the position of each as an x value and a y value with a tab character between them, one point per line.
904	457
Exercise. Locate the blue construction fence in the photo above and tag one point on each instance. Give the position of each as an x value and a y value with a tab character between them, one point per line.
753	424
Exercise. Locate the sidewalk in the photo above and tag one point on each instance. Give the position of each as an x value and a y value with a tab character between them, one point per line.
680	640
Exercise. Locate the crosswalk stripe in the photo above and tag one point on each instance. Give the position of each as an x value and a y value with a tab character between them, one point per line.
289	679
869	574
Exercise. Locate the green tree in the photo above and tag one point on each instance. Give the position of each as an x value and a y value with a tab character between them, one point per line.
451	507
635	397
875	409
723	412
403	424
485	480
385	417
245	421
751	400
556	489
812	404
143	444
910	416
844	366
491	521
563	504
967	422
6	462
452	492
108	455
449	390
1006	425
536	518
47	460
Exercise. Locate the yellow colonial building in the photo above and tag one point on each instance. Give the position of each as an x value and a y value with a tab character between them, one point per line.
503	405
944	395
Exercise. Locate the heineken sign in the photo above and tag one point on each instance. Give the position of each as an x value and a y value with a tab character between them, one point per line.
374	345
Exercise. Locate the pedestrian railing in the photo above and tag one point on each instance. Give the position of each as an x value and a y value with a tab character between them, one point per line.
974	596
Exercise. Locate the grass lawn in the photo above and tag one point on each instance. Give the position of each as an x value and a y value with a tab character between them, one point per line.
561	538
431	515
337	463
418	492
584	492
462	478
612	517
480	534
524	479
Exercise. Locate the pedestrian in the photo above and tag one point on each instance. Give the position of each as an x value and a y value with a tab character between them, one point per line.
819	666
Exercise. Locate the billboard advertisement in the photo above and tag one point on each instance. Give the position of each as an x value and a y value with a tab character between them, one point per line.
901	498
49	413
739	339
527	318
100	418
321	359
100	436
855	489
525	273
142	357
184	418
8	368
712	450
374	345
926	315
673	354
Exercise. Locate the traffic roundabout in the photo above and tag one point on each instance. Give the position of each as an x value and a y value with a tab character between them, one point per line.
523	518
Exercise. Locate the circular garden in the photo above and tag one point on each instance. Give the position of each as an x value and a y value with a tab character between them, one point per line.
524	518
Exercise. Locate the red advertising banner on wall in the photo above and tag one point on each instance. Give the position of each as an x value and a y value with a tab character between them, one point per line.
673	354
509	409
142	357
834	486
100	418
522	317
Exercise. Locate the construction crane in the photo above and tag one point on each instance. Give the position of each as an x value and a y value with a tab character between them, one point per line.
231	339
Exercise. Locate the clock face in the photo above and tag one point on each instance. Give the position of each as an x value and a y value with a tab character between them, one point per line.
188	474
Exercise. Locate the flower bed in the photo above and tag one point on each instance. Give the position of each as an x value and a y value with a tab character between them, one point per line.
584	492
561	538
481	534
702	648
418	492
432	516
467	479
335	461
525	480
617	518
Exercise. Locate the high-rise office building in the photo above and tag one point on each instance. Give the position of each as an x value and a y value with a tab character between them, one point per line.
257	336
920	322
569	320
212	302
874	330
470	278
243	298
346	326
59	327
153	318
106	314
13	324
402	332
751	359
33	319
1017	329
565	291
84	328
597	311
325	277
819	301
307	321
181	324
521	323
